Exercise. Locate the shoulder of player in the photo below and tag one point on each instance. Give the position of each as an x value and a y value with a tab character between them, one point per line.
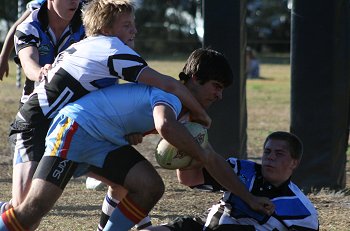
30	25
34	4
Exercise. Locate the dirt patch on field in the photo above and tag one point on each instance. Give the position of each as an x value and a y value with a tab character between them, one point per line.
79	208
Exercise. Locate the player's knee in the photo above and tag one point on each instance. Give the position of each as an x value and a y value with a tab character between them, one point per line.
156	188
150	186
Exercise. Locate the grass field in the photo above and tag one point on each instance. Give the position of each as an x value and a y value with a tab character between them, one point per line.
79	208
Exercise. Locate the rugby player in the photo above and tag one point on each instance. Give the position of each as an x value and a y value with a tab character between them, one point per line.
88	136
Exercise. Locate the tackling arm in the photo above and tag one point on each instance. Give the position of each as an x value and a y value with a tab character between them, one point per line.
177	135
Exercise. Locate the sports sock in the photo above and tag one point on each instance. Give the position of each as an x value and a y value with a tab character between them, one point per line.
145	222
108	207
125	216
3	207
9	222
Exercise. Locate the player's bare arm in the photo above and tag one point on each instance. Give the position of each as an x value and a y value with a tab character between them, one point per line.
177	135
29	57
8	46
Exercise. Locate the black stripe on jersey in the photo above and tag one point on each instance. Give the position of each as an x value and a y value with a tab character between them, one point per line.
214	221
61	42
28	40
58	85
130	73
26	37
239	167
62	82
28	86
60	102
52	39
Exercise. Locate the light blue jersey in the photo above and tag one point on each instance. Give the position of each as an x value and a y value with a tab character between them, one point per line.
86	130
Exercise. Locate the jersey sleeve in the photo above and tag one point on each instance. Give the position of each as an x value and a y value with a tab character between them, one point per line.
34	4
126	65
161	97
26	35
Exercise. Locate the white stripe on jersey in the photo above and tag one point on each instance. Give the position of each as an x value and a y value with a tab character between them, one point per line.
20	152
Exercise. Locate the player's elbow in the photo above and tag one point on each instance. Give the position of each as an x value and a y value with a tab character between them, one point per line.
190	178
164	128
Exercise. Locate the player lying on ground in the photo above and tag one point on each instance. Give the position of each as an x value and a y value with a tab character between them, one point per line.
89	136
282	152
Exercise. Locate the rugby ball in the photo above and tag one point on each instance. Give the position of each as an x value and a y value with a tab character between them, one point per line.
169	157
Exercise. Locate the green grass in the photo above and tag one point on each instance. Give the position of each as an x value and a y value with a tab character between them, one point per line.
268	100
9	102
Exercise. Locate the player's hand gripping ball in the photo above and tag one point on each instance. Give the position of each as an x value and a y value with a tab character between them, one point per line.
169	157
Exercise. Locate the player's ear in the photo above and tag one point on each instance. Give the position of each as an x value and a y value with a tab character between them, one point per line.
105	31
295	164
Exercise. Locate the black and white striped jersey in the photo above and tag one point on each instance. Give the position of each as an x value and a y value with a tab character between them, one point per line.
36	32
293	210
93	63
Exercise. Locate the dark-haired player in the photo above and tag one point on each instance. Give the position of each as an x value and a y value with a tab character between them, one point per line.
88	136
282	152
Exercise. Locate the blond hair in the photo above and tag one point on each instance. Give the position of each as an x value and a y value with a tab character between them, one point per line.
100	14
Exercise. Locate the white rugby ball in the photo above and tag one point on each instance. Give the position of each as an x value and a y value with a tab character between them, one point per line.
169	157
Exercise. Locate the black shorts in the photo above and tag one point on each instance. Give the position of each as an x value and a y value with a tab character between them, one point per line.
27	141
118	163
115	168
185	224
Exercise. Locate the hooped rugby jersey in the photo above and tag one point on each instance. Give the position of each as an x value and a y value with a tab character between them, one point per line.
35	31
293	210
93	63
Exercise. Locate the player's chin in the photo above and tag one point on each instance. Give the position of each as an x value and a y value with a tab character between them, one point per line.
68	16
207	105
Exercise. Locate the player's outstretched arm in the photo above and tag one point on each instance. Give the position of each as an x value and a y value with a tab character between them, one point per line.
8	46
177	135
152	77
